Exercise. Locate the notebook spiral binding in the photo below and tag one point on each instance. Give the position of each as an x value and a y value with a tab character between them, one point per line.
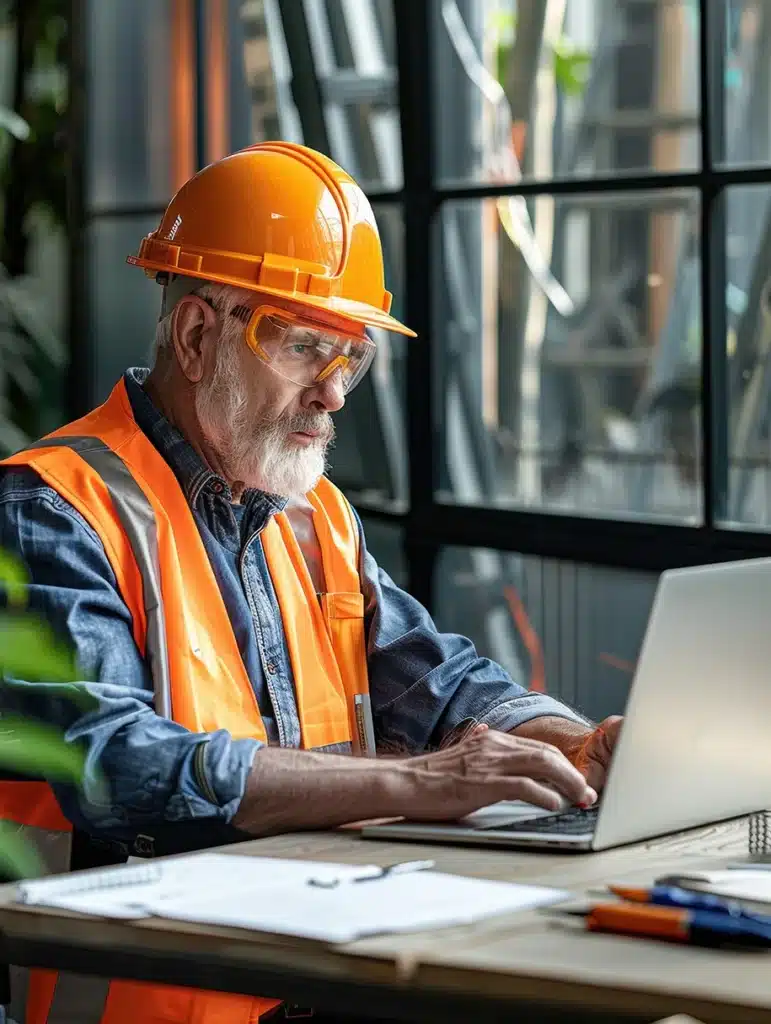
760	833
69	885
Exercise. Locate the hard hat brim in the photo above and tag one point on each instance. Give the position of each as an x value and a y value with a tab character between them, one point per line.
357	312
333	305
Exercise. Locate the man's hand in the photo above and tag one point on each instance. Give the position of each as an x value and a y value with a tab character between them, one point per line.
288	790
488	766
590	750
594	755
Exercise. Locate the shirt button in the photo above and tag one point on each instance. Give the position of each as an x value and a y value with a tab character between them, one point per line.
217	487
271	667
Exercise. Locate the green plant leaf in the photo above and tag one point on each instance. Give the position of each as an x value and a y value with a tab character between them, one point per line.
33	748
30	651
503	23
571	68
14	124
13	577
18	857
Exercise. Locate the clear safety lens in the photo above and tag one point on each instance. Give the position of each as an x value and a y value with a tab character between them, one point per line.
306	354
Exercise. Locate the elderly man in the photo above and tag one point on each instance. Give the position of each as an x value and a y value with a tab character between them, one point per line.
240	639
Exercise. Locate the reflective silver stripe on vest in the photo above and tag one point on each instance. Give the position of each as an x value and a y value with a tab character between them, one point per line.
78	999
53	847
54	850
17	1010
138	520
345	747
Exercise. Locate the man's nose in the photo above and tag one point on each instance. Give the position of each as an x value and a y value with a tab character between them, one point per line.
328	394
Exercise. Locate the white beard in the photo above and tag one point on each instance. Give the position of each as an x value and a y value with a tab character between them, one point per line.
292	471
260	455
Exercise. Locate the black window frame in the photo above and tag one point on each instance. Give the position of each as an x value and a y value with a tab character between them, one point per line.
428	525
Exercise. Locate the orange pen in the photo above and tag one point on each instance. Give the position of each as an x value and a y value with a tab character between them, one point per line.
636	919
676	924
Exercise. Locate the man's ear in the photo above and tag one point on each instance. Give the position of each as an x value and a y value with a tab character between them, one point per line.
193	322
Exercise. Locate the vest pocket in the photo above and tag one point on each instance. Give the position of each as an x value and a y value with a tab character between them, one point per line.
344	618
343	606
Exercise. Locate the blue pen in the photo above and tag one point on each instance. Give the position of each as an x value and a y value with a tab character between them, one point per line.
685	899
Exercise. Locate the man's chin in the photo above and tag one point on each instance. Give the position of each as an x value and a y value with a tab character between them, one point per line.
293	478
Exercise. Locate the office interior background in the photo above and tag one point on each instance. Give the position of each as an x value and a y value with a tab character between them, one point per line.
574	198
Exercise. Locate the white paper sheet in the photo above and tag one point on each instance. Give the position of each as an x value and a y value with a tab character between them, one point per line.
270	895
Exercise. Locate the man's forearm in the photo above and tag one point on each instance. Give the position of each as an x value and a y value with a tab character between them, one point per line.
301	789
563	733
291	789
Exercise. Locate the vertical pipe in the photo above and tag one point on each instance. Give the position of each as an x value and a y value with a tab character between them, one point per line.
182	92
217	81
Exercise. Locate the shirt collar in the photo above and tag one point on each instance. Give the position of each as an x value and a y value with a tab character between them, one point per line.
194	476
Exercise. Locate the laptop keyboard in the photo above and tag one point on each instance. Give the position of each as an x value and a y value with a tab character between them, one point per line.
571	823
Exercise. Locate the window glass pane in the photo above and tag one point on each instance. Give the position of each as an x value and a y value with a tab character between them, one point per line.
574	631
354	59
384	542
568	374
272	113
124	303
577	88
748	298
129	159
369	457
747	110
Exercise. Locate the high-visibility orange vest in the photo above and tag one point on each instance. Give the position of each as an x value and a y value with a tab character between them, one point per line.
107	469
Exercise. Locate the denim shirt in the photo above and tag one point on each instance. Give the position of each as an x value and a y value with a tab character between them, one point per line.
423	683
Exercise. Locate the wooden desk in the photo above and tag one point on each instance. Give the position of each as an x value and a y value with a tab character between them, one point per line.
526	966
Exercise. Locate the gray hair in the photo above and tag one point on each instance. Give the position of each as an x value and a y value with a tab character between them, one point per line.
223	297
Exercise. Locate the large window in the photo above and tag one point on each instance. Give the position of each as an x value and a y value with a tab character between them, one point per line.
595	196
574	198
561	394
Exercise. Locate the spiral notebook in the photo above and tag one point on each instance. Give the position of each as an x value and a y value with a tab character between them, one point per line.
113	892
289	897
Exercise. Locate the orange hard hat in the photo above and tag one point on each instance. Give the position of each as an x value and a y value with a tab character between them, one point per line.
279	219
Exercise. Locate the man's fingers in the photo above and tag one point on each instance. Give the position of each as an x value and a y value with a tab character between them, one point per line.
594	772
597	753
531	792
496	754
611	730
550	765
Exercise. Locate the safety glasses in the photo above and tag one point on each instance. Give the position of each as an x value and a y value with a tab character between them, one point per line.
303	352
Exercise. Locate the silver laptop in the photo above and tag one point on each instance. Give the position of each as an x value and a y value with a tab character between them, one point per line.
696	743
